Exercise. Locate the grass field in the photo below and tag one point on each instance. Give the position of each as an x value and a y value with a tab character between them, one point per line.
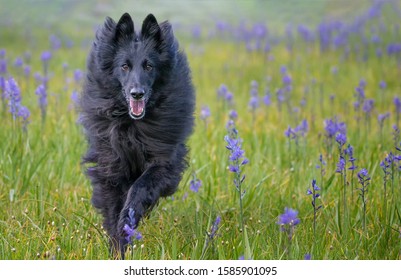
297	92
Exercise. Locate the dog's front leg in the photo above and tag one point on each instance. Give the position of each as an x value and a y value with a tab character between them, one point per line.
157	181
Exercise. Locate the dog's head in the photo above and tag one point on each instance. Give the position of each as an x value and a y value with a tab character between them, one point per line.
138	62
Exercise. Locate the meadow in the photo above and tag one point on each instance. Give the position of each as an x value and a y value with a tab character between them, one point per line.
296	152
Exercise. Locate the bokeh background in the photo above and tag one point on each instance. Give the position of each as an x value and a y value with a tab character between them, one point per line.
311	86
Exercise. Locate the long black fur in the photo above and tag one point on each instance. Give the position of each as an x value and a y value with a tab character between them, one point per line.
133	162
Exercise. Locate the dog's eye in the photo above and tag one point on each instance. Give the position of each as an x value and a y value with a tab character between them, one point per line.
125	67
148	67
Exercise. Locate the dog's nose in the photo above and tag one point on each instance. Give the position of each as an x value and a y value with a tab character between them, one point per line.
137	93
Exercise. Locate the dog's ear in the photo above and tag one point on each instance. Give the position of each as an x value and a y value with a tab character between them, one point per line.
168	35
125	27
151	29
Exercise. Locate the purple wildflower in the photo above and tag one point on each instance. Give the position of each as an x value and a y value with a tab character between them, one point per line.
350	152
237	154
368	105
341	139
254	100
382	117
55	42
2	87
290	133
75	97
387	166
341	166
237	159
24	113
302	128
280	95
397	103
12	92
214	228
3	66
267	98
18	62
283	69
382	84
287	80
27	71
363	178
394	48
205	113
195	184
229	97
321	166
41	92
222	91
233	115
333	127
46	56
287	222
253	103
196	31
360	97
129	229
38	78
254	88
288	218
314	191
78	75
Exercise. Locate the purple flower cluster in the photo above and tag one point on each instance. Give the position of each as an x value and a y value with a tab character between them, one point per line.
288	218
382	117
41	92
214	228
321	166
205	113
225	94
300	130
129	229
394	48
267	98
254	100
349	151
78	75
341	139
237	154
288	221
363	178
195	184
341	165
333	126
314	192
368	105
13	94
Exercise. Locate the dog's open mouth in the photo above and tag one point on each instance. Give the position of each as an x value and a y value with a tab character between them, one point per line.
136	108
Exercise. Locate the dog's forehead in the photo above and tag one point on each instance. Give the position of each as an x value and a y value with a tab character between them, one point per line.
136	52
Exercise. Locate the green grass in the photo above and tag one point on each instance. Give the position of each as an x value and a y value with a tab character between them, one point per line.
45	209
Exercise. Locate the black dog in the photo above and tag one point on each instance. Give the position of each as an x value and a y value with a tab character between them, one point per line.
137	110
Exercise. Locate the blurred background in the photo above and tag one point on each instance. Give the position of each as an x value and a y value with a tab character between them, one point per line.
81	17
293	70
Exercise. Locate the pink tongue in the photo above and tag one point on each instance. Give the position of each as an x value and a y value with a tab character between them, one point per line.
137	106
